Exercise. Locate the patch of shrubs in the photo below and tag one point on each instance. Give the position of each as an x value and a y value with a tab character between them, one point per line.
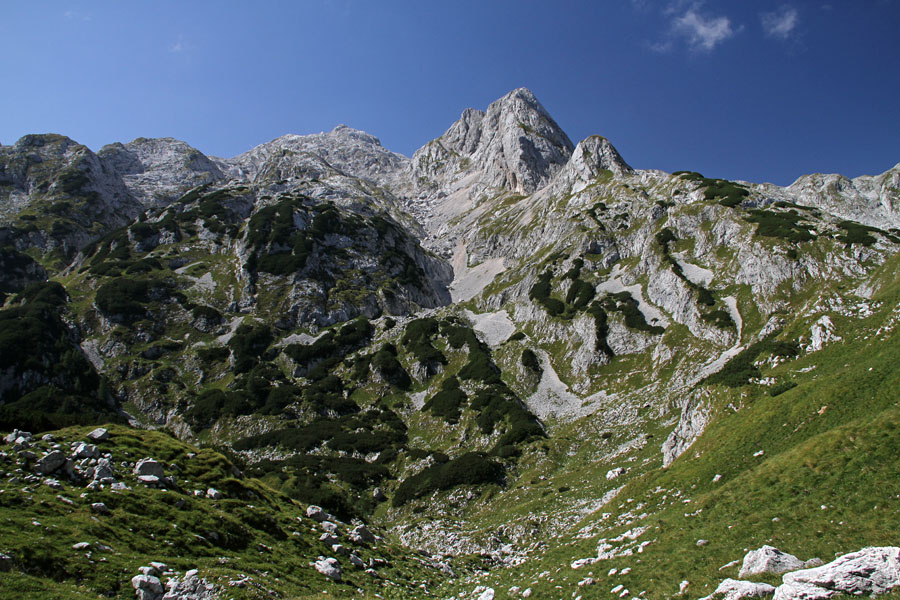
248	344
857	233
580	295
625	304
54	384
279	246
728	193
468	469
780	388
720	318
480	367
530	361
540	293
417	341
333	345
601	327
448	402
788	225
125	300
740	369
387	365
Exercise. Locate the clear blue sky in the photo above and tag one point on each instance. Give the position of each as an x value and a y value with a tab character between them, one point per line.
745	89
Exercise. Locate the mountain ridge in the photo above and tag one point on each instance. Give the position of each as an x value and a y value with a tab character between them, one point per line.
457	346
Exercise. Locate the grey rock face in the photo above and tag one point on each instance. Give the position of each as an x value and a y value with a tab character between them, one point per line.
871	200
870	571
98	435
157	171
54	171
147	587
342	151
149	466
50	463
515	145
329	567
693	420
768	560
732	589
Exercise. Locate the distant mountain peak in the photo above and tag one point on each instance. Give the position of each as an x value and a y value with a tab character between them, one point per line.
515	144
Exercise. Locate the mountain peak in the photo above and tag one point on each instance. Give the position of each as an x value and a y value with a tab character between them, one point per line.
515	144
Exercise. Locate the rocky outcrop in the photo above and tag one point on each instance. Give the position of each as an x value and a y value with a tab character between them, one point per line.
694	417
159	170
769	560
515	145
871	200
871	571
732	589
66	182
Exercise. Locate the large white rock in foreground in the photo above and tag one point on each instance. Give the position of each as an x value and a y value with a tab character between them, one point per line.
732	589
870	571
769	560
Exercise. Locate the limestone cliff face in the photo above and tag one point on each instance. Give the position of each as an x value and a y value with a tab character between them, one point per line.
515	145
158	171
870	200
56	195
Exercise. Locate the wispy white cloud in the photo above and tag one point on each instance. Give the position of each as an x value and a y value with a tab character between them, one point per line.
702	33
73	15
780	23
687	22
178	46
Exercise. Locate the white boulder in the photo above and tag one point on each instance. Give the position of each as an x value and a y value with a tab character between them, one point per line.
769	560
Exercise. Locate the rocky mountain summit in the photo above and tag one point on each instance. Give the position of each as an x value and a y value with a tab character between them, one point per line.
536	369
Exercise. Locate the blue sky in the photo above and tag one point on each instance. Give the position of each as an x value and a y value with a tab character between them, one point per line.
751	89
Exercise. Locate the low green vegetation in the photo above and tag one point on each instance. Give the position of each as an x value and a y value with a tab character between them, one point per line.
788	226
742	368
53	385
705	299
727	193
468	469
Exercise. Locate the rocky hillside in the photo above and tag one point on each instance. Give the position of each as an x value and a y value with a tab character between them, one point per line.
520	356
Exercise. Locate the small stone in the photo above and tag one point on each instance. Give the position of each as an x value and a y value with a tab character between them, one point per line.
149	466
316	513
329	527
83	450
361	534
213	494
98	435
147	582
50	463
100	508
702	542
356	561
487	594
329	567
613	473
81	546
